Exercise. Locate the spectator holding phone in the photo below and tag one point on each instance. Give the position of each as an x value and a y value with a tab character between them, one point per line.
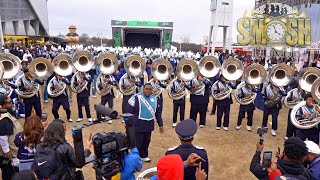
289	164
172	167
186	130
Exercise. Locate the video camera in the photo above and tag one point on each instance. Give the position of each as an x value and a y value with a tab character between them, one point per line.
109	147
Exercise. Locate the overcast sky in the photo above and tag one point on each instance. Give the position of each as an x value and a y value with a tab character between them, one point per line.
190	17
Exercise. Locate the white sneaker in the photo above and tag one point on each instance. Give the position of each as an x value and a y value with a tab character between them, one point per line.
79	119
201	126
286	138
217	128
146	159
90	119
174	124
46	101
123	121
70	120
273	132
94	96
248	128
225	128
110	122
238	127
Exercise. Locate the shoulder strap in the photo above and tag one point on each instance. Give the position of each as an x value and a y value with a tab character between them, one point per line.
147	104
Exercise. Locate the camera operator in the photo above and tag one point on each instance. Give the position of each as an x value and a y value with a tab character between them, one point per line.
289	165
313	159
9	128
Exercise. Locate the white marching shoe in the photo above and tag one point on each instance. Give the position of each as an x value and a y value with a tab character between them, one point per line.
201	126
248	128
90	119
273	132
110	122
238	127
79	119
146	159
217	128
70	120
225	128
174	124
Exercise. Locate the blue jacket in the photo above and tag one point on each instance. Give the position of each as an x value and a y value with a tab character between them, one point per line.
314	168
131	163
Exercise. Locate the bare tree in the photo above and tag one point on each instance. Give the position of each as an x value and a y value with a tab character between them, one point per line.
84	38
185	39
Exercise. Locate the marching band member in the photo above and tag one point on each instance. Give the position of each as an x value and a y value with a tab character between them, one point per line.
214	104
145	108
223	106
108	98
304	112
272	105
83	97
28	83
245	91
61	100
177	87
199	102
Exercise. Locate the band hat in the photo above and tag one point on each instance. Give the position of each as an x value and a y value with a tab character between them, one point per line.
312	147
186	129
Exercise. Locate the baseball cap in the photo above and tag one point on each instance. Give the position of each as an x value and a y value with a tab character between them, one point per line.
312	147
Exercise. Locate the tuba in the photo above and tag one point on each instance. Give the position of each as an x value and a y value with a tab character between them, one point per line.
11	67
83	62
209	67
254	75
161	70
291	104
315	90
134	67
40	69
232	69
108	65
280	75
307	123
244	100
146	174
307	77
62	65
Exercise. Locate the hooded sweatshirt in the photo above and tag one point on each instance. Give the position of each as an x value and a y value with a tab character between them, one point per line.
294	169
170	167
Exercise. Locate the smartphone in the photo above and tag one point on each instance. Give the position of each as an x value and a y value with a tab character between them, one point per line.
90	136
203	162
267	157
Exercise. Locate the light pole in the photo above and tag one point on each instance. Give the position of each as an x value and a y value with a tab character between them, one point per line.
180	43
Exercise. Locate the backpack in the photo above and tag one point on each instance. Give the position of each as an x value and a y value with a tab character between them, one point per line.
48	163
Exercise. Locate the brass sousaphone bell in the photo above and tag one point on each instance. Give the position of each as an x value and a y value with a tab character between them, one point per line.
108	64
62	65
11	67
134	67
83	62
40	69
161	70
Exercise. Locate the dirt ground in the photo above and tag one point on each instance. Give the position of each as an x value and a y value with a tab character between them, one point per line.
229	152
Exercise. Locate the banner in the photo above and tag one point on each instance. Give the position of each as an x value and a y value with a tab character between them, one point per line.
274	24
